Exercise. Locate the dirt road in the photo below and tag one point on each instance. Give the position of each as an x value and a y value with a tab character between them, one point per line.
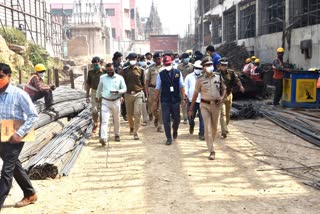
147	176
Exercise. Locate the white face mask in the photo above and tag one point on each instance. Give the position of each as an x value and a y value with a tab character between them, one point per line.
41	75
133	62
168	68
210	69
197	71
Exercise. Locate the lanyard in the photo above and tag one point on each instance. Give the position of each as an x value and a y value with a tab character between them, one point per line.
170	78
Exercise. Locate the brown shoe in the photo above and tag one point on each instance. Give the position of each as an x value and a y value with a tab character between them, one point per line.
27	200
212	156
95	128
224	134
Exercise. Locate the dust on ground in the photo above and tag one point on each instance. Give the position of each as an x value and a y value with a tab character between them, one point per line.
147	176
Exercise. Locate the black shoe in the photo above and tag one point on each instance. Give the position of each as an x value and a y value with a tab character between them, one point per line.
117	138
155	122
168	142
201	137
150	117
175	134
103	142
131	131
191	129
125	117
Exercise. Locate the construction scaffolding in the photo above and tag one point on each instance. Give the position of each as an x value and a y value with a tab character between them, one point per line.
247	19
272	16
34	19
304	13
217	30
229	24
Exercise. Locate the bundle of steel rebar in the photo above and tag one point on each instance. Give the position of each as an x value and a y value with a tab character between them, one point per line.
52	157
76	152
42	136
247	111
63	109
300	128
61	94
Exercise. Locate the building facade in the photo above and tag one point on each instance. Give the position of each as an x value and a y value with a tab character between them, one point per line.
263	26
34	19
121	14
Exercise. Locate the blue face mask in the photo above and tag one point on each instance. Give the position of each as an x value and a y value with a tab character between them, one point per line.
186	60
96	67
142	64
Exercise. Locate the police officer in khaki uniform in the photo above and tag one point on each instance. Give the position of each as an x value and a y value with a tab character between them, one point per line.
212	89
151	80
230	78
92	84
135	80
186	68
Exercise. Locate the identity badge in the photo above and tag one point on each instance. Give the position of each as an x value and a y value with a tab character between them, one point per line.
171	89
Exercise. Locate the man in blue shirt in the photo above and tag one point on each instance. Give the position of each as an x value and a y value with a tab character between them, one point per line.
15	104
169	84
111	87
215	56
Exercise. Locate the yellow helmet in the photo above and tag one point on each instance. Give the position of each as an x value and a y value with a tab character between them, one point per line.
257	61
39	68
189	51
280	50
253	58
248	60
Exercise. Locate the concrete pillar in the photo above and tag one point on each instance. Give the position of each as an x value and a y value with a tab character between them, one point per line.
237	22
258	18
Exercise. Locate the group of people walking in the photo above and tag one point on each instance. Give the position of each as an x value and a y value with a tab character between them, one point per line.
160	87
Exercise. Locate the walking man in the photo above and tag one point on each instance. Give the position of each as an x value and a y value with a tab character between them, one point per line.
186	68
151	80
190	83
170	86
135	80
212	90
36	87
111	87
230	79
92	84
15	104
214	56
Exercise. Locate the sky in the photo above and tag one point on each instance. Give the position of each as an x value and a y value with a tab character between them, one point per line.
174	14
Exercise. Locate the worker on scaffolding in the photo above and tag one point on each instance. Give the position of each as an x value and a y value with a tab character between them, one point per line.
37	89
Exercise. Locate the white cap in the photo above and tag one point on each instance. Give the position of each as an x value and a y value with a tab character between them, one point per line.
197	64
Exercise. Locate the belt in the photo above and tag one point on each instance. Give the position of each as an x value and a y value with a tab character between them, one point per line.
151	86
209	101
111	99
133	92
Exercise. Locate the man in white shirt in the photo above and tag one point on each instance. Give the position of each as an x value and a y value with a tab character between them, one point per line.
111	87
190	82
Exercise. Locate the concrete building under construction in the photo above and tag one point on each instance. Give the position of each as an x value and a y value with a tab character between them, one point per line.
263	26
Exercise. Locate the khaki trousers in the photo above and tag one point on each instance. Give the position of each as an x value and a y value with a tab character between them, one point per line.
109	108
210	114
158	112
225	113
134	107
94	107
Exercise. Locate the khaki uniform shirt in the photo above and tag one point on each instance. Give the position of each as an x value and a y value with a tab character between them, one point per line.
153	72
93	79
210	87
134	78
230	79
185	69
